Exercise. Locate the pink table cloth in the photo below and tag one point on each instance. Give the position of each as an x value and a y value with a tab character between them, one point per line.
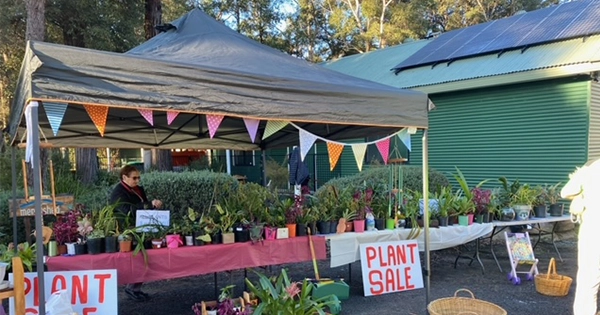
169	263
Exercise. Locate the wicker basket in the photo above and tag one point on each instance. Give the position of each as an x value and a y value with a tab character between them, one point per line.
552	284
463	306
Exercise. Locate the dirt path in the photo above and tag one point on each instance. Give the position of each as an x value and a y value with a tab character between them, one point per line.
177	296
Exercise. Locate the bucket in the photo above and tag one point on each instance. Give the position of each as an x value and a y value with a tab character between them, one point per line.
173	241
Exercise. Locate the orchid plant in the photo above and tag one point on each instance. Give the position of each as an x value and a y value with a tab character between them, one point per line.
84	228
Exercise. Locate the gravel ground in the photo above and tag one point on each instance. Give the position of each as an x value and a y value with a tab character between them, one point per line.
177	296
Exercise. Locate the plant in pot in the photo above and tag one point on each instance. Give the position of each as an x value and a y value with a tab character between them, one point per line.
65	230
306	218
465	208
291	215
556	208
84	228
522	200
381	207
505	196
106	221
445	199
227	221
360	205
481	199
26	252
346	221
539	203
280	295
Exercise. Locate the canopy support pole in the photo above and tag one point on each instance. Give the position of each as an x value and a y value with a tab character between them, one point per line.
263	155
14	195
33	142
427	271
228	161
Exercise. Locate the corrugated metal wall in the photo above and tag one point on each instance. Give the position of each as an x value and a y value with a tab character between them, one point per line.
594	136
536	132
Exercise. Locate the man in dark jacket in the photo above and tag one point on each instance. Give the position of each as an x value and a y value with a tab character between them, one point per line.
130	197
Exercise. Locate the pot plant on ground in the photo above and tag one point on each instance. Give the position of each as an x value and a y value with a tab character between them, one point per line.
283	296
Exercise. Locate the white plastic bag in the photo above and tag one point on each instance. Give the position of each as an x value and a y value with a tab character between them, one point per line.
59	303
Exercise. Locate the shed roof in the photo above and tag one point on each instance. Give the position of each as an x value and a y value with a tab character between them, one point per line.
575	56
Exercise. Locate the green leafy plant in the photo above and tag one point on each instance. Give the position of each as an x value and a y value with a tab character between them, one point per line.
525	195
282	296
446	201
26	252
553	193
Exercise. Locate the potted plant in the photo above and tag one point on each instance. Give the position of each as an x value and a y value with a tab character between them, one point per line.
556	208
280	295
84	228
522	201
539	203
481	200
106	221
346	221
465	208
227	220
445	199
306	218
505	196
65	230
95	242
380	206
292	209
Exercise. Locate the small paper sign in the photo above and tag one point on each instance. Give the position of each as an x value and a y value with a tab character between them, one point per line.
390	267
144	218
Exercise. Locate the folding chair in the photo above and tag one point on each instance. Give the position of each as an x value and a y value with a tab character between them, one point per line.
520	252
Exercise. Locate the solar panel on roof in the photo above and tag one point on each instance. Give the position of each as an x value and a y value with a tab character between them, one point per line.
479	43
568	20
587	23
551	27
432	47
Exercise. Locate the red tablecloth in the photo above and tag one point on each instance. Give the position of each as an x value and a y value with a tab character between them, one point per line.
187	261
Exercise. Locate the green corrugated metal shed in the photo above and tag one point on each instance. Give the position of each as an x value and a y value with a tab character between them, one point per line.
531	114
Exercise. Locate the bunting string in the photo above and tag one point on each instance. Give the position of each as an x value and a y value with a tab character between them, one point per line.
348	144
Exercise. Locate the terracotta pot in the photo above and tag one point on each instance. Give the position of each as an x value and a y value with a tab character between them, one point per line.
157	243
291	229
124	246
62	249
349	226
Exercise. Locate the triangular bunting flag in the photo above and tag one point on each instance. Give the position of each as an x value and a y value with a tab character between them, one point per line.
306	141
252	127
335	151
55	113
147	114
171	115
213	122
359	150
384	148
98	114
405	138
272	127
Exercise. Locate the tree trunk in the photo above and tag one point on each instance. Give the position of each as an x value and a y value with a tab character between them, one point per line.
36	30
36	24
152	17
161	159
86	161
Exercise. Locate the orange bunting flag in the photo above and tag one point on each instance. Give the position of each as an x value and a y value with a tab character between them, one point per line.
98	114
335	151
384	148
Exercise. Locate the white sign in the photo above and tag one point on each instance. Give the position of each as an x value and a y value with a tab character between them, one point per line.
92	292
390	267
152	217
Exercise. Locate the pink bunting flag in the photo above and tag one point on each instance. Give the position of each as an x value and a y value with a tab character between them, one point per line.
147	114
252	127
213	122
384	149
171	115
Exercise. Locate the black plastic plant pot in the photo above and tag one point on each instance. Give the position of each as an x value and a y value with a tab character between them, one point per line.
110	244
95	245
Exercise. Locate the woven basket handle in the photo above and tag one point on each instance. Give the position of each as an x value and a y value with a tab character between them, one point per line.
465	290
551	268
